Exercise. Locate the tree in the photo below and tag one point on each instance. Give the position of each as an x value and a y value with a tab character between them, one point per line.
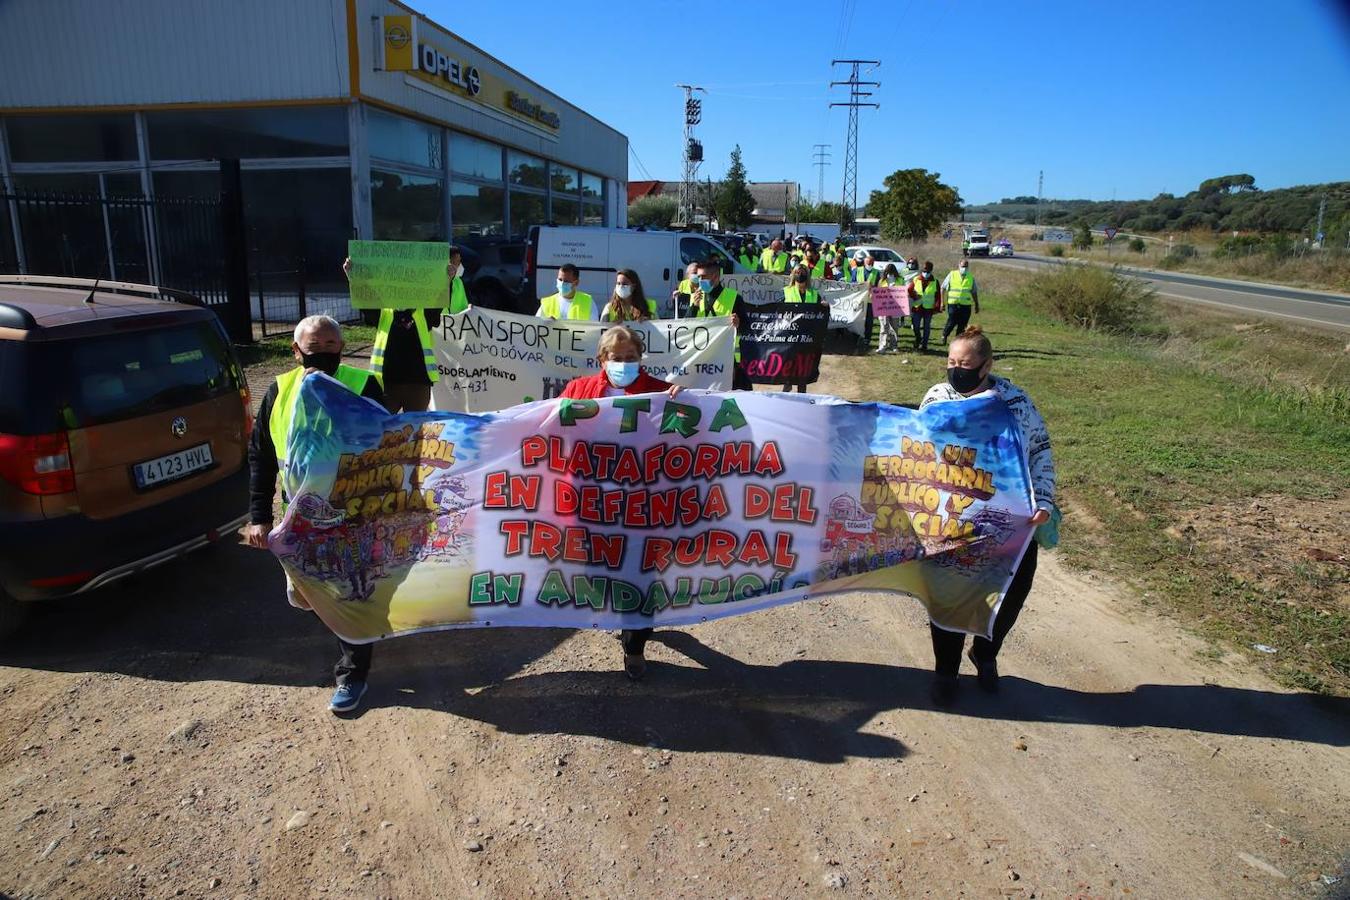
734	204
652	212
914	202
1227	184
1082	236
806	211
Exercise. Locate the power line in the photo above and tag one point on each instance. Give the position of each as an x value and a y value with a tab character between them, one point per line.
637	159
856	100
821	162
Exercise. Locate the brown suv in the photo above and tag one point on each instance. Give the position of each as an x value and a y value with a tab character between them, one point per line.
123	434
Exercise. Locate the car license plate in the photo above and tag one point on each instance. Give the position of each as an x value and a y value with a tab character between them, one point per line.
173	466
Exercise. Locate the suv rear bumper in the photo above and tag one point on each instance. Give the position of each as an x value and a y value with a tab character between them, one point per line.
74	554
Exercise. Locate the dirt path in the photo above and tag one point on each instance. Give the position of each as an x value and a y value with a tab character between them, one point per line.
169	738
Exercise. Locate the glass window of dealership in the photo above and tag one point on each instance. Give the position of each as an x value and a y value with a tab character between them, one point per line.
427	182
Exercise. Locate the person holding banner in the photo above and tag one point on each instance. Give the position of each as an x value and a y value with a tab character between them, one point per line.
621	373
402	358
969	361
712	298
925	299
568	303
317	347
629	302
685	289
890	336
799	290
959	292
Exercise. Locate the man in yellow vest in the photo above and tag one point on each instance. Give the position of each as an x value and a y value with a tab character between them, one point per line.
959	292
317	347
923	303
568	302
774	259
403	357
799	290
684	291
712	298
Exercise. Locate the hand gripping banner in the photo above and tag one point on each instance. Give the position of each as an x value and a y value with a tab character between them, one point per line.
645	510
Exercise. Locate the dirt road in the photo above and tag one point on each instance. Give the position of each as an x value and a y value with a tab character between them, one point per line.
169	737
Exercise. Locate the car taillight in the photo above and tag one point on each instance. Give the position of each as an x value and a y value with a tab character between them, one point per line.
37	464
529	259
247	400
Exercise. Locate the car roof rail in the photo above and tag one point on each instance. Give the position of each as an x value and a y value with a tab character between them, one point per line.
151	291
12	316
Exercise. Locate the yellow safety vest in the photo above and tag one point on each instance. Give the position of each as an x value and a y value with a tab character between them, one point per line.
959	290
771	262
288	392
724	304
792	295
611	315
927	298
580	310
749	262
419	318
459	300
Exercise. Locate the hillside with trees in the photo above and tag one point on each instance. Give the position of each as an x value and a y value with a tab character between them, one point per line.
1223	204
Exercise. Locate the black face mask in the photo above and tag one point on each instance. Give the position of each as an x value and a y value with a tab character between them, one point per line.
327	363
800	279
964	380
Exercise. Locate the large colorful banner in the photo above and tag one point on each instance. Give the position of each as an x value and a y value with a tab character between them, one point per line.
847	301
645	510
490	360
782	343
399	274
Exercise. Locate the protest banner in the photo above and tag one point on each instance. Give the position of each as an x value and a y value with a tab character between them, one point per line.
398	274
489	360
645	510
782	343
890	301
847	302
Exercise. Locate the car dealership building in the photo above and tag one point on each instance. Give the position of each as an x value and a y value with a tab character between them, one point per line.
350	118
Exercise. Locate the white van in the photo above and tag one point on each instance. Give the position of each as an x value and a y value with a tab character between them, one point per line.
659	258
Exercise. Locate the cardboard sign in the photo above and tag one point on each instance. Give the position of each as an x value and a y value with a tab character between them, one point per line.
890	301
399	274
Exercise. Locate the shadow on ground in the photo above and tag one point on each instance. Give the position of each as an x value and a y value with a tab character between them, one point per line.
221	615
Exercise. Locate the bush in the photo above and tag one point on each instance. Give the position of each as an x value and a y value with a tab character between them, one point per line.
1082	237
1177	255
1056	250
1093	298
1138	245
652	212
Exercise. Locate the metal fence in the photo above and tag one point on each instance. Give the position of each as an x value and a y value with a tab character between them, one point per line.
173	242
282	298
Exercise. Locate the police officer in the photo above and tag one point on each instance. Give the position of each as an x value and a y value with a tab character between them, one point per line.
317	347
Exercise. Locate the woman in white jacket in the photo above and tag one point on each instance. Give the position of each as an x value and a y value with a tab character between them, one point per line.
970	357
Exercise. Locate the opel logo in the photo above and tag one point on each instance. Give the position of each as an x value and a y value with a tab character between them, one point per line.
178	426
397	36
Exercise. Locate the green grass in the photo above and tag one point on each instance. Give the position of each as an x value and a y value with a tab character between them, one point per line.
1152	434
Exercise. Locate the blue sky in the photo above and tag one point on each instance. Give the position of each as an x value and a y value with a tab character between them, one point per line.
1147	97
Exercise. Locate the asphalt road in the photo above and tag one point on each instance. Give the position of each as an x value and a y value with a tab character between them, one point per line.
1311	308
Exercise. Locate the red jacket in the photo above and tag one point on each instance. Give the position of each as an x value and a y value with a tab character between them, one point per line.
593	387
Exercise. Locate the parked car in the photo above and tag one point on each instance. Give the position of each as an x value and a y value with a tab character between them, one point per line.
880	255
124	425
659	258
493	267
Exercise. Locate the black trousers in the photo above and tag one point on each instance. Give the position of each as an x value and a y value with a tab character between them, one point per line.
958	317
739	380
800	386
635	640
354	664
947	645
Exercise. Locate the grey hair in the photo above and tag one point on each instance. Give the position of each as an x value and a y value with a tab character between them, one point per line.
314	323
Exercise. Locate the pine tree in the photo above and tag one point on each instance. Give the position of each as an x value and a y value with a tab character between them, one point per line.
734	204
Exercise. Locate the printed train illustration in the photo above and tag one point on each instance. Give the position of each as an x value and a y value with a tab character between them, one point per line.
325	545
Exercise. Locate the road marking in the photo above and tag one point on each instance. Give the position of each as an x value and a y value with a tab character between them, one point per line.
1256	312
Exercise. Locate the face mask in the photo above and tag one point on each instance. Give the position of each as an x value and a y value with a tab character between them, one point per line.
964	270
867	267
800	279
964	380
913	267
621	374
326	363
624	291
459	270
565	288
705	285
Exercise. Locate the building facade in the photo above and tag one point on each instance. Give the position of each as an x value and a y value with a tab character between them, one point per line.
351	118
